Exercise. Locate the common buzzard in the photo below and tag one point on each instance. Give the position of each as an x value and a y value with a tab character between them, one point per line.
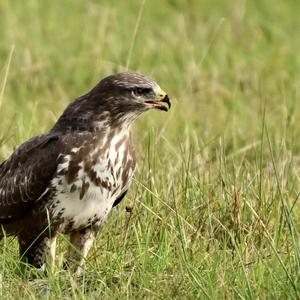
68	180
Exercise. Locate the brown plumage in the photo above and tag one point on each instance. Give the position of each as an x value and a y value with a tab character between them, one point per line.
68	179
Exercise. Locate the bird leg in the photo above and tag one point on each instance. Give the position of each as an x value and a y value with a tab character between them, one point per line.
52	246
81	242
35	252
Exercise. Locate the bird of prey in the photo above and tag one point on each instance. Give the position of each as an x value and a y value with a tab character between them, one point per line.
68	179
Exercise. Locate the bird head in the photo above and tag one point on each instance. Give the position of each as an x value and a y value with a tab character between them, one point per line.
116	99
132	92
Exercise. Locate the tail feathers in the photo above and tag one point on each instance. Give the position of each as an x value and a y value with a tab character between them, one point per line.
5	220
2	232
7	228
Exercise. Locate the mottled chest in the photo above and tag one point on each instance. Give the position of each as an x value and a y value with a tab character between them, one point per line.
90	178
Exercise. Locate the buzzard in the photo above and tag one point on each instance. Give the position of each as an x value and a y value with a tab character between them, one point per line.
68	180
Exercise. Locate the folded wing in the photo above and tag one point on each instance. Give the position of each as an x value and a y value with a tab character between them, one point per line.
26	175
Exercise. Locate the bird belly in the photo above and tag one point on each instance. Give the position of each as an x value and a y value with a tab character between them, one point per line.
77	212
83	203
89	196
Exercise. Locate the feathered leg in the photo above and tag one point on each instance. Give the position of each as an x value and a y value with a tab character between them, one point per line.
81	242
35	251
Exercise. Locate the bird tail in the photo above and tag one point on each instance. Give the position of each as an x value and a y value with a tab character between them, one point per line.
2	232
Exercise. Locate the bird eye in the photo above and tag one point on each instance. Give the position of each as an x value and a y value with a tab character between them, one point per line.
138	92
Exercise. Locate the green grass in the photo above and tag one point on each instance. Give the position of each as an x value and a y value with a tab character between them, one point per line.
215	202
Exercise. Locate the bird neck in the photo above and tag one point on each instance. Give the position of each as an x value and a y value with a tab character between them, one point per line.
82	115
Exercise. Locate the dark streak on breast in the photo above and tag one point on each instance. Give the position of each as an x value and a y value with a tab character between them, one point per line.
84	189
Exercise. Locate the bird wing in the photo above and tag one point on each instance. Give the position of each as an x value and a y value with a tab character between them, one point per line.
119	199
25	176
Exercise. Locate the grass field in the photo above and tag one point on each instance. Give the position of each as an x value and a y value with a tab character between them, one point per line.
215	201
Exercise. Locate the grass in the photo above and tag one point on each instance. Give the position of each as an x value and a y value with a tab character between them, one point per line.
215	203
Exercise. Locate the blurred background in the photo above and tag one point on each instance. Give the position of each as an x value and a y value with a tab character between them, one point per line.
219	174
221	62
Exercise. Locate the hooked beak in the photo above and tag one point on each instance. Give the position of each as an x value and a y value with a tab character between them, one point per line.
158	103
